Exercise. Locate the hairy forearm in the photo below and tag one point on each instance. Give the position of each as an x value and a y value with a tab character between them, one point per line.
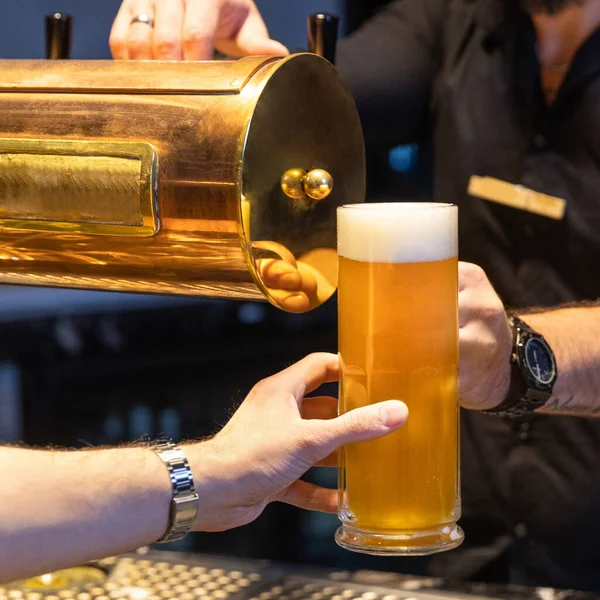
574	336
63	508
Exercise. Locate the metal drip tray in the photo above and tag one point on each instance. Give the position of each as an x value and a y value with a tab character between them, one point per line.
138	578
306	588
145	579
174	576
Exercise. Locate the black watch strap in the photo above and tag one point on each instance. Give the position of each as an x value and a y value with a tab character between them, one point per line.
516	390
521	399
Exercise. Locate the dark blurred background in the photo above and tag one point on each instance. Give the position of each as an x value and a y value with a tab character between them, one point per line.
82	368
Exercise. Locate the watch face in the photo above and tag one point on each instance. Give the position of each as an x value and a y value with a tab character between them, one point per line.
539	361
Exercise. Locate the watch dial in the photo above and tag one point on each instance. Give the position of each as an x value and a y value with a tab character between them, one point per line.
540	361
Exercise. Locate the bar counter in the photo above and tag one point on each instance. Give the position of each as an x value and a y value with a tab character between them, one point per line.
158	575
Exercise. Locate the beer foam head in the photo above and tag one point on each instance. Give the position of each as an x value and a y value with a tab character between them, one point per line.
398	232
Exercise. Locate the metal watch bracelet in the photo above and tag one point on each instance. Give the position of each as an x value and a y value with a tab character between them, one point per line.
522	397
185	501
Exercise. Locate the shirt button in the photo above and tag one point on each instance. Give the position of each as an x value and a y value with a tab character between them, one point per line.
539	141
525	431
520	531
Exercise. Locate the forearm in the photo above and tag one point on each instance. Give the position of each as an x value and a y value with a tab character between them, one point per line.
574	336
64	508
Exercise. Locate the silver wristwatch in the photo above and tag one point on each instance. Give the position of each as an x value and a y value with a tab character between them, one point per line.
184	506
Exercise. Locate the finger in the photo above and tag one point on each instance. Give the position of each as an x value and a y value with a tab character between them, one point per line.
322	407
140	35
481	305
252	38
473	280
279	249
466	311
119	33
309	281
322	289
470	275
292	301
310	497
279	274
319	407
358	425
308	374
199	26
484	351
166	44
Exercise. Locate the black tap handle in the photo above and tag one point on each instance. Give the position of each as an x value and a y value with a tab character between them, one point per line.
58	35
322	35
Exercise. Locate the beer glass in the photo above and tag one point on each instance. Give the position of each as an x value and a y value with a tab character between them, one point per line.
398	340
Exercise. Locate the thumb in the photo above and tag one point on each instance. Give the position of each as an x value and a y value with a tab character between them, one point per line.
362	424
253	38
262	46
256	46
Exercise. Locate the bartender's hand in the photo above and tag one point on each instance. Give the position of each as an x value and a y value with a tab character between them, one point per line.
275	436
190	30
485	340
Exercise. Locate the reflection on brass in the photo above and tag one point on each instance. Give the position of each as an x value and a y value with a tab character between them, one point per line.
292	183
316	184
298	285
58	580
165	177
128	76
80	187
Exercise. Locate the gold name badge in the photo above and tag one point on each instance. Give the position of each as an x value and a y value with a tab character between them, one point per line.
517	196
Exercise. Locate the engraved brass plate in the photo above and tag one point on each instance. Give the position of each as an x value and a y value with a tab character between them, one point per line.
87	187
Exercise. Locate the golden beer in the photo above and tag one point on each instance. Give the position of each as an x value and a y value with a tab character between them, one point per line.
398	339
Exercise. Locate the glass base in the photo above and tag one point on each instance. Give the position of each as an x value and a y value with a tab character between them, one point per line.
409	544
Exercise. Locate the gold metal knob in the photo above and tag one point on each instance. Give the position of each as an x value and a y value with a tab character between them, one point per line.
316	184
291	183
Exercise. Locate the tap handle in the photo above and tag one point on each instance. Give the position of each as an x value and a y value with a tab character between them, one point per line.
58	36
323	34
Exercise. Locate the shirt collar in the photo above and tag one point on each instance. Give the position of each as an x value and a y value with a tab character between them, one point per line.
512	28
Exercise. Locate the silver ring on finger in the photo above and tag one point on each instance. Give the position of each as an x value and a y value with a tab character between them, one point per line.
143	18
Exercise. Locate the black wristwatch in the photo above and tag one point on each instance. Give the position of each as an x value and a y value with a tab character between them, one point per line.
533	372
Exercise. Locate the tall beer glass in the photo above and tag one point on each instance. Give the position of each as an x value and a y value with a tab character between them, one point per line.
398	339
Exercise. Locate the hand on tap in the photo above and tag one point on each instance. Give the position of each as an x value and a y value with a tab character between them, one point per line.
190	30
297	285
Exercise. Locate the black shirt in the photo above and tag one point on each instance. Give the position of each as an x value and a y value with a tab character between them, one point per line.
465	73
